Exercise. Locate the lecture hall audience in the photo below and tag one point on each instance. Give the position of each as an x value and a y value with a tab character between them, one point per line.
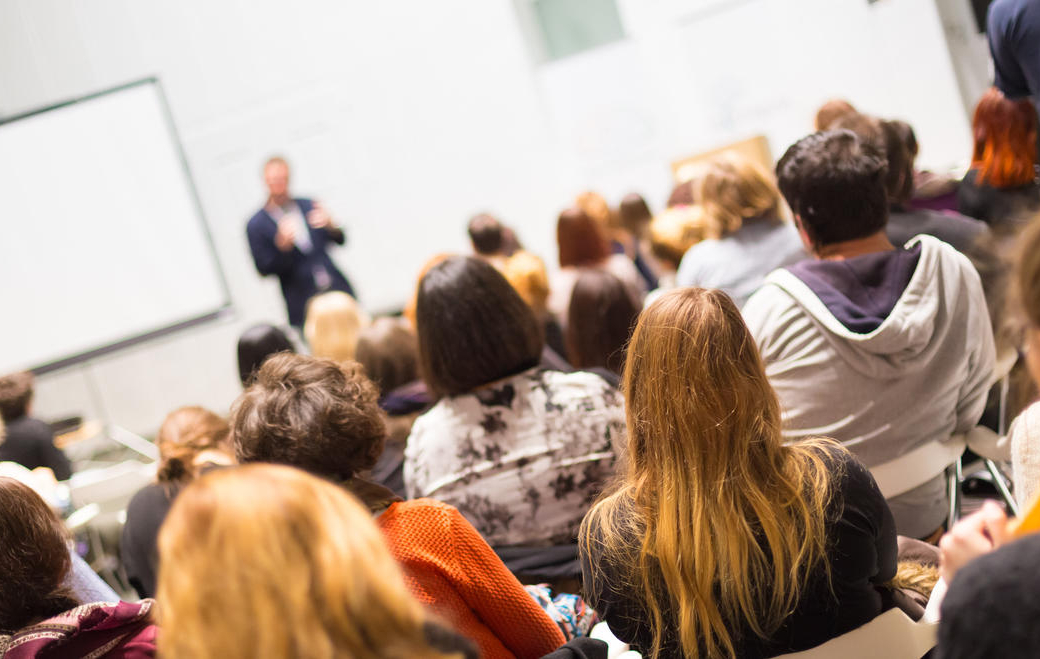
324	418
700	456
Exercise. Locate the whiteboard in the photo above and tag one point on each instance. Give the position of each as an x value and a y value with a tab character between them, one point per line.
104	244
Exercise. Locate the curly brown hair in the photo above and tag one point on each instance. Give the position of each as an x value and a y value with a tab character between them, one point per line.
310	413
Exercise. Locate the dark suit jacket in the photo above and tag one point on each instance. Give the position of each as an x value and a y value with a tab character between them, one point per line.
295	270
30	443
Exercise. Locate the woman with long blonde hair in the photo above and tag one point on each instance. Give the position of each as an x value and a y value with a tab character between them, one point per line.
269	561
718	540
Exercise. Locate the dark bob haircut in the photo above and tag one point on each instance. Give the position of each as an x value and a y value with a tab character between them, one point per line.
257	344
473	327
600	320
309	413
835	184
580	239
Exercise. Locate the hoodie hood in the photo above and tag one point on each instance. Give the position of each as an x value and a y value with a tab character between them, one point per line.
879	326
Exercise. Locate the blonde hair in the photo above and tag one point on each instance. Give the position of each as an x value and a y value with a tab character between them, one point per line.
676	230
184	434
526	273
731	521
269	561
732	189
334	322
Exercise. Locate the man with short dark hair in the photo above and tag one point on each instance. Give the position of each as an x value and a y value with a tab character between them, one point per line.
886	349
289	238
23	439
486	234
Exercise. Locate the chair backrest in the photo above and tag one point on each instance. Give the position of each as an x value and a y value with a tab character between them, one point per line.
892	635
917	467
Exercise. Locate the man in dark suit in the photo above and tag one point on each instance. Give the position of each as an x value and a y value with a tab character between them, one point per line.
27	440
289	238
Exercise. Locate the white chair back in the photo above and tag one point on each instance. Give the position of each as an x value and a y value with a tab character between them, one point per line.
891	635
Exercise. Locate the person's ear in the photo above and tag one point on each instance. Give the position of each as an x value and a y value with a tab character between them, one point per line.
804	235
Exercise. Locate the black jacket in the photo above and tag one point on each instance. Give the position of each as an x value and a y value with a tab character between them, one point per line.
30	443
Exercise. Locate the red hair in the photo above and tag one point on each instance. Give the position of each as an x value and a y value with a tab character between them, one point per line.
1005	140
580	239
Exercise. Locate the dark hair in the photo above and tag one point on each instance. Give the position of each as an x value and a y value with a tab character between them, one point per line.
634	214
600	319
835	184
389	352
257	344
34	559
580	239
16	392
899	182
474	327
485	232
309	413
892	140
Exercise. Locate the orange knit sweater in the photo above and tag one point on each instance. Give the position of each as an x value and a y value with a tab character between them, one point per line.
449	567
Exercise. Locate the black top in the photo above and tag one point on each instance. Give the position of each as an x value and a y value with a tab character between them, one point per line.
960	231
30	443
992	606
996	205
138	547
861	539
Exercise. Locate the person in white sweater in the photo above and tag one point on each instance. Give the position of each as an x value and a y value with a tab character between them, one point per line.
888	350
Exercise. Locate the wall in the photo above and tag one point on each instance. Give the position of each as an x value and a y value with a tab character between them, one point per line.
406	117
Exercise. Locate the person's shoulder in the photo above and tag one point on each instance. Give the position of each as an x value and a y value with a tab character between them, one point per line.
258	220
579	383
430	518
28	427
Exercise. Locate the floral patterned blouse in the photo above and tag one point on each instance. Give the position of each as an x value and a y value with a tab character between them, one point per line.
522	460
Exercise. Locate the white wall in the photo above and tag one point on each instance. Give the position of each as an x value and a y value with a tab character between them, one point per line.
407	116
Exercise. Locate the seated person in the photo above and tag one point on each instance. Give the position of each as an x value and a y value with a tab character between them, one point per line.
487	236
526	273
746	238
334	321
190	440
257	344
599	322
519	450
895	139
27	441
39	616
720	540
1001	187
324	418
673	232
633	220
885	349
388	352
291	566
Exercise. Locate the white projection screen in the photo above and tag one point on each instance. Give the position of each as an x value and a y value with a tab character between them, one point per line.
104	243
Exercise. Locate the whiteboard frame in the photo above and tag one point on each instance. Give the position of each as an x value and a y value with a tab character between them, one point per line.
225	310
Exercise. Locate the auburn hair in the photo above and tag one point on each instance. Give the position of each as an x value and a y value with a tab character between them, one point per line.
1005	140
581	240
289	564
184	434
730	518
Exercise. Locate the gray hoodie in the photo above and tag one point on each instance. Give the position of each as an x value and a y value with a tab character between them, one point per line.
920	375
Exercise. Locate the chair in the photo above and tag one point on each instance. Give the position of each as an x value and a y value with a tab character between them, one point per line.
892	635
922	464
